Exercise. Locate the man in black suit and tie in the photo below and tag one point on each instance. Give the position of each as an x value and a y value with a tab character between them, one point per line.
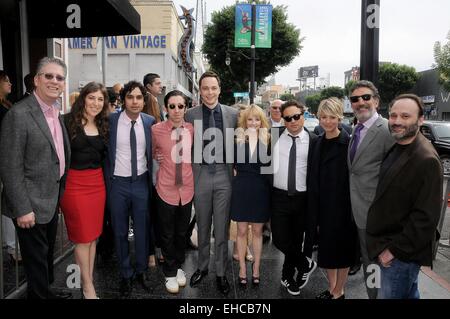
289	197
34	158
128	179
403	217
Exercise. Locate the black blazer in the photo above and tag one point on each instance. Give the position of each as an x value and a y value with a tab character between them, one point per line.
405	212
329	183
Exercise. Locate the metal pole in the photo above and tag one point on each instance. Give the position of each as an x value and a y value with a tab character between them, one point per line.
370	38
104	61
253	55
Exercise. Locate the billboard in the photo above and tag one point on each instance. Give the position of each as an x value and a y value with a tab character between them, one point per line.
308	72
243	26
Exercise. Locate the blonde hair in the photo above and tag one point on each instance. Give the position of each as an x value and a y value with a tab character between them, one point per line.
263	132
331	106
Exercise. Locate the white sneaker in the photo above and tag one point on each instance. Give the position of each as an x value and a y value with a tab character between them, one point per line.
181	277
172	285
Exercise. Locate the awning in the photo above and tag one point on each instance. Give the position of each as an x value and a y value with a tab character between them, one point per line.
81	18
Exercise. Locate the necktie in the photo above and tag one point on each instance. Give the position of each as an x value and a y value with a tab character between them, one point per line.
212	124
357	134
292	167
179	148
133	152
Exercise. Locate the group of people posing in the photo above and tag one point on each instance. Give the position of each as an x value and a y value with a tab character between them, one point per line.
381	186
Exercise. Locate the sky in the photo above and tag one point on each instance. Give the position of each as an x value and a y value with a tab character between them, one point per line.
332	31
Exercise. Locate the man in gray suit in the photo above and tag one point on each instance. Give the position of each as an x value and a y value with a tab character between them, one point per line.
212	167
369	143
34	157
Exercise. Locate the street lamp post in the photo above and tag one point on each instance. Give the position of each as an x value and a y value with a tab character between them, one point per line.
253	55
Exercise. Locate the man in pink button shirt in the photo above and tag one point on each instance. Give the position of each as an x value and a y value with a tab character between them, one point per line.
172	142
34	156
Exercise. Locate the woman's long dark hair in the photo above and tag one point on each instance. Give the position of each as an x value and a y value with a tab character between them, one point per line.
77	118
3	99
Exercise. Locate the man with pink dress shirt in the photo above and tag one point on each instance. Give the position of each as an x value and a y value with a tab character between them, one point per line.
172	142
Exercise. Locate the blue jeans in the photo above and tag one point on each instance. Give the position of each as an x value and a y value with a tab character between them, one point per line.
399	281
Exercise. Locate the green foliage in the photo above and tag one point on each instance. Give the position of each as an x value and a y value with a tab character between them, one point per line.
287	97
332	91
395	79
312	102
219	38
348	86
442	58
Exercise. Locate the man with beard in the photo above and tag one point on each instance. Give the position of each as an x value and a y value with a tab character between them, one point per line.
402	220
369	144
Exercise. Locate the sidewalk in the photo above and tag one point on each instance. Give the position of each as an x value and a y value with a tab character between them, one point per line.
432	284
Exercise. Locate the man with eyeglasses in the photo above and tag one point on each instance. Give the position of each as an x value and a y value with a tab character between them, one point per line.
34	159
172	140
289	196
128	180
275	114
369	144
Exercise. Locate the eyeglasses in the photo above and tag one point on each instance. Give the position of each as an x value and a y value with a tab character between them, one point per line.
180	106
294	117
365	97
276	107
50	76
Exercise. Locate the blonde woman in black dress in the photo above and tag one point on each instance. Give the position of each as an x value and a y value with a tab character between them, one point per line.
250	199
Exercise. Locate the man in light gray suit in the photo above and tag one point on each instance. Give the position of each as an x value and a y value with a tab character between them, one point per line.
369	143
34	157
212	176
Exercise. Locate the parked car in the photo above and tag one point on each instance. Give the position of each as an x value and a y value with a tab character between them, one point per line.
311	123
439	134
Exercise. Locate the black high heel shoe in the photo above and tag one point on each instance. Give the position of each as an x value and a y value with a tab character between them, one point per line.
255	280
82	293
242	282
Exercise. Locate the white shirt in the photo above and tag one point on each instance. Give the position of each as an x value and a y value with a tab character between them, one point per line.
123	148
276	124
281	160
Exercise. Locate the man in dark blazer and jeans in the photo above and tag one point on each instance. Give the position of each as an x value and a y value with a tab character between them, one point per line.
402	220
34	157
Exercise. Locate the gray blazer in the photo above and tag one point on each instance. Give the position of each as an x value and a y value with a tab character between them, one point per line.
29	165
229	116
365	168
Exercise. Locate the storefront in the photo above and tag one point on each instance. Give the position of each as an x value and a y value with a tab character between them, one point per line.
30	30
130	57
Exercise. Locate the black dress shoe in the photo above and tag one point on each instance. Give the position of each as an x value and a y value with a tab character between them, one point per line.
198	276
222	285
354	269
61	295
126	285
143	281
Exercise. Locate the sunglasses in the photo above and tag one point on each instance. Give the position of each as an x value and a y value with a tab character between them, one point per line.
365	97
294	117
50	76
180	106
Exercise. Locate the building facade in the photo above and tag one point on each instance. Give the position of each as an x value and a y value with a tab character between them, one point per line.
130	57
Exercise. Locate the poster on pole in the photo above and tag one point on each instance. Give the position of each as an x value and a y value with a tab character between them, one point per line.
243	26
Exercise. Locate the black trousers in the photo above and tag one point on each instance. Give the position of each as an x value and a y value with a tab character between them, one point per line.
173	224
288	228
37	245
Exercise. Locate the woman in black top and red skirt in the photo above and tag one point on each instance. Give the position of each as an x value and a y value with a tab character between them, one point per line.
83	202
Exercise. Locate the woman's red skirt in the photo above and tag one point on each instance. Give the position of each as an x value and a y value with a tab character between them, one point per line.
83	204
